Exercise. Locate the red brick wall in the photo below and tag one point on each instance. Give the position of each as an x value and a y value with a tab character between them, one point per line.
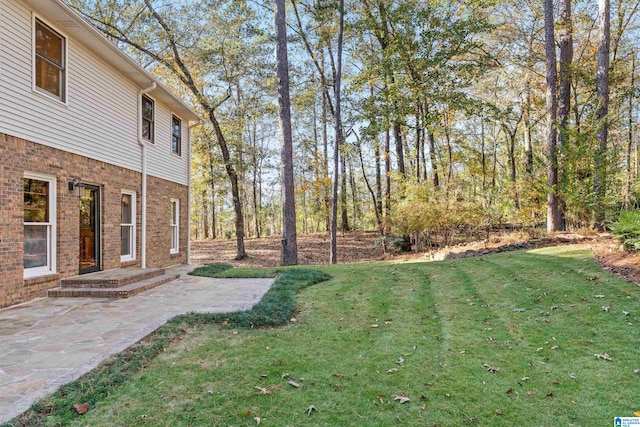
18	156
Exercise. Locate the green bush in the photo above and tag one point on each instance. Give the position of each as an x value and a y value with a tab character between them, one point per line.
627	229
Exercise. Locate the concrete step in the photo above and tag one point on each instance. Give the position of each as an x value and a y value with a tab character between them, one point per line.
111	278
124	291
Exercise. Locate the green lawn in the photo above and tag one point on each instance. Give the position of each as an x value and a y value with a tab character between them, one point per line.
502	340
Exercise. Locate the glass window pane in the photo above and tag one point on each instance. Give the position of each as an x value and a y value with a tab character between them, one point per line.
36	244
36	200
174	215
49	44
126	209
147	108
48	77
125	240
146	129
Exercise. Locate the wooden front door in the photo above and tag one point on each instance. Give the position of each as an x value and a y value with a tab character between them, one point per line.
90	229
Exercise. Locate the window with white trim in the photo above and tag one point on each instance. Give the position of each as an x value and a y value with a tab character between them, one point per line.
49	61
175	226
148	119
127	225
39	212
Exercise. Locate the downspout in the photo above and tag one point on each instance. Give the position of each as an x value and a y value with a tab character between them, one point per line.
143	152
199	123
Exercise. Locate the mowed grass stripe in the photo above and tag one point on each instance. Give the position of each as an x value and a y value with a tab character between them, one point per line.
445	323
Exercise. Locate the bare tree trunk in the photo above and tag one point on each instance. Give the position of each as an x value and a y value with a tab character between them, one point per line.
526	116
289	241
564	99
627	193
378	195
205	214
602	84
483	154
432	157
333	258
377	206
552	107
387	170
418	143
344	216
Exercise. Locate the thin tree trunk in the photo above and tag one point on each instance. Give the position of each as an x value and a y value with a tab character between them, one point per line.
564	99
387	170
376	201
483	154
333	258
552	107
627	193
418	143
378	195
526	116
344	215
289	241
432	157
602	84
205	214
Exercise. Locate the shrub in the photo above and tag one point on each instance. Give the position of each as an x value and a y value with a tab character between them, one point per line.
627	229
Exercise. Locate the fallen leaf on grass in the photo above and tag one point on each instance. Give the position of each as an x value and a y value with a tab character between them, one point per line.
510	391
258	420
400	361
531	393
81	408
309	409
550	395
637	414
263	390
470	420
498	412
491	368
392	370
375	325
402	399
604	356
337	375
293	384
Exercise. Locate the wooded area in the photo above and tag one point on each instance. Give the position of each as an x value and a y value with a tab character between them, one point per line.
452	117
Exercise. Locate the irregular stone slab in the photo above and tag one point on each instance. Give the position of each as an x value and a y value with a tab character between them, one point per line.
51	341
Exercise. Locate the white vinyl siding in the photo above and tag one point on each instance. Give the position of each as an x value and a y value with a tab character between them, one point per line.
100	118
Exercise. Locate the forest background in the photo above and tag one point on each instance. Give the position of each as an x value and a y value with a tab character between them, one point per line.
458	117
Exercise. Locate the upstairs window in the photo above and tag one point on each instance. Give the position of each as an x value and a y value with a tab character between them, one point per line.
50	72
147	119
176	135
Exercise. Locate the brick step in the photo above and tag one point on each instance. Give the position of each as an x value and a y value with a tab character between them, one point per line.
111	278
125	291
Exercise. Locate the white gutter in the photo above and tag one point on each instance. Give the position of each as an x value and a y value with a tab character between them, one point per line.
143	151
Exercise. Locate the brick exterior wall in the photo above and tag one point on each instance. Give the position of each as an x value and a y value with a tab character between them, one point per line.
18	156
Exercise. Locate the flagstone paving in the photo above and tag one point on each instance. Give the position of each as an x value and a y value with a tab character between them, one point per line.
51	341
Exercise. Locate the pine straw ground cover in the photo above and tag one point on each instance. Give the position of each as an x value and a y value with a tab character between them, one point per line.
537	338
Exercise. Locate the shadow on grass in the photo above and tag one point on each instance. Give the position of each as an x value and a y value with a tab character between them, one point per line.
275	308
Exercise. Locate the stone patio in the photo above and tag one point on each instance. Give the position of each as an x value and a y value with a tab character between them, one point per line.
51	341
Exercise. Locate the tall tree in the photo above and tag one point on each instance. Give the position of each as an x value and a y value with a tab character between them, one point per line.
289	240
552	108
564	96
602	86
333	256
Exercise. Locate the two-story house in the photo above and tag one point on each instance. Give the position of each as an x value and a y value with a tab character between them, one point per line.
94	155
